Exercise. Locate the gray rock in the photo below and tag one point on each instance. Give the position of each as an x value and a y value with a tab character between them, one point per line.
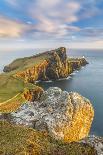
66	116
95	142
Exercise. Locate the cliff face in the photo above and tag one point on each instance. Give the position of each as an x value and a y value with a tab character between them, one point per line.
50	65
14	92
35	73
55	66
32	94
65	116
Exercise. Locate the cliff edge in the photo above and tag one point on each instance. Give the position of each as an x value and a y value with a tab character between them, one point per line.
65	116
50	65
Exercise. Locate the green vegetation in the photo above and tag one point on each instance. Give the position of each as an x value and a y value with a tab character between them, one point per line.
22	71
11	92
10	86
18	140
14	91
26	62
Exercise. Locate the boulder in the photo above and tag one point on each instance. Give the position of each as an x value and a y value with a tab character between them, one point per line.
65	116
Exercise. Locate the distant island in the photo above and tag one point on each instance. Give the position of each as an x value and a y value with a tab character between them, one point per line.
39	122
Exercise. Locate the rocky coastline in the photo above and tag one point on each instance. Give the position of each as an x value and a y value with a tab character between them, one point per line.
56	65
65	117
57	122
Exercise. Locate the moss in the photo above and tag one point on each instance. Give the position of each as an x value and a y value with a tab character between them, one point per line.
18	140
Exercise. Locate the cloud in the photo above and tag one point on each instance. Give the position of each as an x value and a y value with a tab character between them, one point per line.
90	34
51	20
87	45
50	16
11	28
12	2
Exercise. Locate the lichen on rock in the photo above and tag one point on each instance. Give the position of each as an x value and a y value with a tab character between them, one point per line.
65	116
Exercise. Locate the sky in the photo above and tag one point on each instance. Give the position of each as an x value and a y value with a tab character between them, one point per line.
51	23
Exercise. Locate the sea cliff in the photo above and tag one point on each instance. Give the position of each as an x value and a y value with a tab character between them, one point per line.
54	65
38	122
21	75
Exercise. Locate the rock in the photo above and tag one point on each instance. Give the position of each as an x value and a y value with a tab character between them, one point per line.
95	142
33	94
50	65
19	140
57	64
65	116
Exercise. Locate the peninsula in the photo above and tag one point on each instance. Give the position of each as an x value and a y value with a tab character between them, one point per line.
38	122
18	82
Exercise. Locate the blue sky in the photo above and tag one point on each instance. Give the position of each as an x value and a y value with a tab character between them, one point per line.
51	23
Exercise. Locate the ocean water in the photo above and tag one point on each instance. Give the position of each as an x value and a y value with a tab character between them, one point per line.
88	81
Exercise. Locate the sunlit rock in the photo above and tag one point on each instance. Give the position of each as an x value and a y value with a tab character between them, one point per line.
65	116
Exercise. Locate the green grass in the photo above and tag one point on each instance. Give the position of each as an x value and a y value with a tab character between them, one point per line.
11	92
10	86
24	63
19	140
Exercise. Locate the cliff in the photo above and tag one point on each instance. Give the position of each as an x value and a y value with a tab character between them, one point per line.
14	92
65	116
46	125
53	117
49	65
17	83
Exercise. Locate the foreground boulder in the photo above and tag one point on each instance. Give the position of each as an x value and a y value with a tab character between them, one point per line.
65	116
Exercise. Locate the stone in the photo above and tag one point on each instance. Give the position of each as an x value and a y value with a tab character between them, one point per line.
65	116
50	65
94	141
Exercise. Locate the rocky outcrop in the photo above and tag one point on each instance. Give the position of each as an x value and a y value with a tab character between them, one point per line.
75	64
57	64
95	142
34	73
15	92
65	116
54	65
32	94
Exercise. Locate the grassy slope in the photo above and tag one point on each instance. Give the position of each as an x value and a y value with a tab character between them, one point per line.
24	63
10	86
18	140
11	90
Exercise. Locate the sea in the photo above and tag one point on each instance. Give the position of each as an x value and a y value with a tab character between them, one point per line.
88	81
